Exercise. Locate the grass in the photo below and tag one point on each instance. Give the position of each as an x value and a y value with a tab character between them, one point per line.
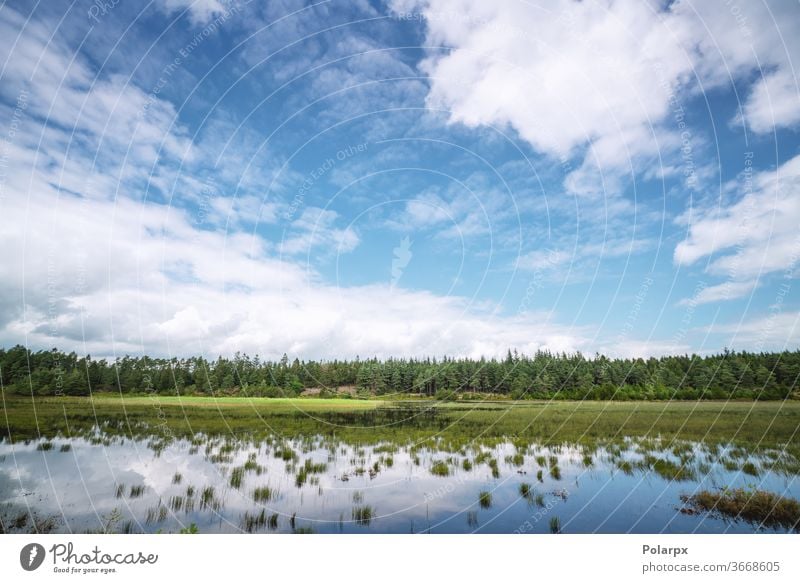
750	469
440	468
485	499
253	522
363	515
494	467
525	490
237	476
264	494
755	506
207	498
555	525
551	422
670	470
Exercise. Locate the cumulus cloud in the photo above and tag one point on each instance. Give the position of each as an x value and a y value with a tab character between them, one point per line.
200	11
774	102
729	290
126	276
599	79
753	234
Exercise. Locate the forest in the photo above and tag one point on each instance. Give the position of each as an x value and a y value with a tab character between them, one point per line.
543	375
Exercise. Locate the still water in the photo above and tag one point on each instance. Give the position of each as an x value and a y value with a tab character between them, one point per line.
323	484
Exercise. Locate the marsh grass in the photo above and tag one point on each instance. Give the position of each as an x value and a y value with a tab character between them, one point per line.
251	465
540	475
156	514
308	468
485	499
626	467
264	494
466	464
237	476
525	490
44	446
253	522
177	478
555	472
670	470
272	522
495	468
555	525
440	468
750	469
65	448
136	491
363	515
208	499
755	506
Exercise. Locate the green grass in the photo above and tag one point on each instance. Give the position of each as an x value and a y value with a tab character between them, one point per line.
756	506
363	515
440	468
555	525
263	494
485	499
375	421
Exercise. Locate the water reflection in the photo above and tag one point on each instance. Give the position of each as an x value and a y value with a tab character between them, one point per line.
323	484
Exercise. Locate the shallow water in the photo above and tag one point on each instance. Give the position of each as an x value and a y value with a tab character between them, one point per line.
99	481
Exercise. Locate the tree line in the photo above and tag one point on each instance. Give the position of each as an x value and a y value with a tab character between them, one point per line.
544	375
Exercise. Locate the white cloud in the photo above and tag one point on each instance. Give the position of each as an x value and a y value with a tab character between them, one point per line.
604	73
200	11
730	290
756	233
126	276
775	331
315	229
774	102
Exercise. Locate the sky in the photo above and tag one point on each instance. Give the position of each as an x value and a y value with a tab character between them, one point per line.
411	178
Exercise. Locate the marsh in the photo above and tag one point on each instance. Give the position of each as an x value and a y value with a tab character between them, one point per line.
144	464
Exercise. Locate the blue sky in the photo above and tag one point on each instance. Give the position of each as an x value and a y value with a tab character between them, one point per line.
412	178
